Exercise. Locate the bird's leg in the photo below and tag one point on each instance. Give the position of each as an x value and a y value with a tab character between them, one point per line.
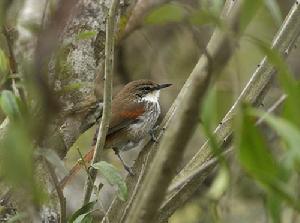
127	168
152	133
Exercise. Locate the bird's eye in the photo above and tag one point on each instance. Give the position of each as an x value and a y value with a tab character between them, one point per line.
145	88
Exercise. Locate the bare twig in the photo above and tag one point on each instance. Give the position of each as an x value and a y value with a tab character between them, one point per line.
175	139
60	194
253	93
109	55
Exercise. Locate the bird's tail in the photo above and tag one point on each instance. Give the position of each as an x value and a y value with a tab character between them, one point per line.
86	159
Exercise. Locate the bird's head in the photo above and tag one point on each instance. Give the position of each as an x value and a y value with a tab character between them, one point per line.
144	90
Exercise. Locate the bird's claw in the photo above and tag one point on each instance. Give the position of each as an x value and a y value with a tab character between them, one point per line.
152	134
129	170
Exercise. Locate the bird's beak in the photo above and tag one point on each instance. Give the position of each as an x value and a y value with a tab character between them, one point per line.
161	86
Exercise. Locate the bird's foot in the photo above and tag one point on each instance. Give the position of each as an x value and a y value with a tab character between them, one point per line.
152	133
129	170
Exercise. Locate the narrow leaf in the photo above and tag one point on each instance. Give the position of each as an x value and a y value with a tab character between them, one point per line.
250	7
81	213
287	131
274	10
166	14
9	105
111	174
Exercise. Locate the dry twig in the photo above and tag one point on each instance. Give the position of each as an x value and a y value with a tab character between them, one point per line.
109	55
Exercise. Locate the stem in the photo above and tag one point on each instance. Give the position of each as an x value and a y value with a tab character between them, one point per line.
60	194
109	55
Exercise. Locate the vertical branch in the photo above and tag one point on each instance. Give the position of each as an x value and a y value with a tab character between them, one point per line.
60	194
109	55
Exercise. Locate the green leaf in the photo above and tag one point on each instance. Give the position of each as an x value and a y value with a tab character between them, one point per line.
86	35
249	10
288	132
212	6
111	174
273	205
220	184
290	85
274	10
257	160
209	119
202	17
4	64
9	104
82	213
253	153
217	6
166	14
84	218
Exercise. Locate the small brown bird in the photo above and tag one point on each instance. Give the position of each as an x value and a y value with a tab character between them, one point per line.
135	110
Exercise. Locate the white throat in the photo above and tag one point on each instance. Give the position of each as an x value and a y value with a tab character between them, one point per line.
151	97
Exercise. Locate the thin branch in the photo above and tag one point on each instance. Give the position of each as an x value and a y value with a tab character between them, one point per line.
109	55
12	57
170	152
254	92
82	161
60	194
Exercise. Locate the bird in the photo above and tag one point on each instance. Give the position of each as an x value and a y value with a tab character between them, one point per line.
134	113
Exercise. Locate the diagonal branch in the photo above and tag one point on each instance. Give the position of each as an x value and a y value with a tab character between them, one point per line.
119	210
254	93
109	55
207	167
170	152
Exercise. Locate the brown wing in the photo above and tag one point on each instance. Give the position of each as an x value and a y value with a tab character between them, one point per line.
124	114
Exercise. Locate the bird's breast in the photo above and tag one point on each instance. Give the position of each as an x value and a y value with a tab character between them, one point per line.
145	122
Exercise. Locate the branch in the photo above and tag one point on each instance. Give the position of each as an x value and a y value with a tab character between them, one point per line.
109	55
253	93
169	155
203	171
60	194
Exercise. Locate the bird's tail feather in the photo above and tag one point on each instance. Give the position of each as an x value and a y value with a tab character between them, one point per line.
86	159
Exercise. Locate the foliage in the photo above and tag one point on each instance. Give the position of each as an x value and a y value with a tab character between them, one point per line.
111	174
82	215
